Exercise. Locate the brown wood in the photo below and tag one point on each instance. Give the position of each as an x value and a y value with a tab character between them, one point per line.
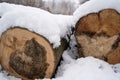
28	55
98	35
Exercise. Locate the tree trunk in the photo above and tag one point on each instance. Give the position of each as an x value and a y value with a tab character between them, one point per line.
98	35
28	55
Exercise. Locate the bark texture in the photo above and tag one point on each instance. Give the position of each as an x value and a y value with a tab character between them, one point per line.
98	35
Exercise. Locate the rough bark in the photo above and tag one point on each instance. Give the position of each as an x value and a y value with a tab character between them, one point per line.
98	35
28	55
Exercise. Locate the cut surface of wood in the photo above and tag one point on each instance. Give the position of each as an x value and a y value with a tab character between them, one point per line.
26	54
98	35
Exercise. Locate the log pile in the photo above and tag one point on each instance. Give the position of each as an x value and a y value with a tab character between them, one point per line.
98	35
28	55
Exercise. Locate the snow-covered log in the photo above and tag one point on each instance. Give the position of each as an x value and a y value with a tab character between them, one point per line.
28	55
98	35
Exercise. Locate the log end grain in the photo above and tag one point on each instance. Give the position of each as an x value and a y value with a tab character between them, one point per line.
98	35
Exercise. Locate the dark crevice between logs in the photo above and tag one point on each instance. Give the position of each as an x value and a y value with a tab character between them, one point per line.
58	54
31	62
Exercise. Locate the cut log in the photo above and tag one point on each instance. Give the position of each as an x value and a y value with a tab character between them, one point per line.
98	35
28	55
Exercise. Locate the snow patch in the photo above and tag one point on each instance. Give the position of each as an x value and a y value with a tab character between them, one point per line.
4	75
88	68
53	27
94	6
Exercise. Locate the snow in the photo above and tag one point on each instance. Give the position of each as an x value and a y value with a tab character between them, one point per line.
37	20
88	68
4	75
54	27
94	6
116	68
